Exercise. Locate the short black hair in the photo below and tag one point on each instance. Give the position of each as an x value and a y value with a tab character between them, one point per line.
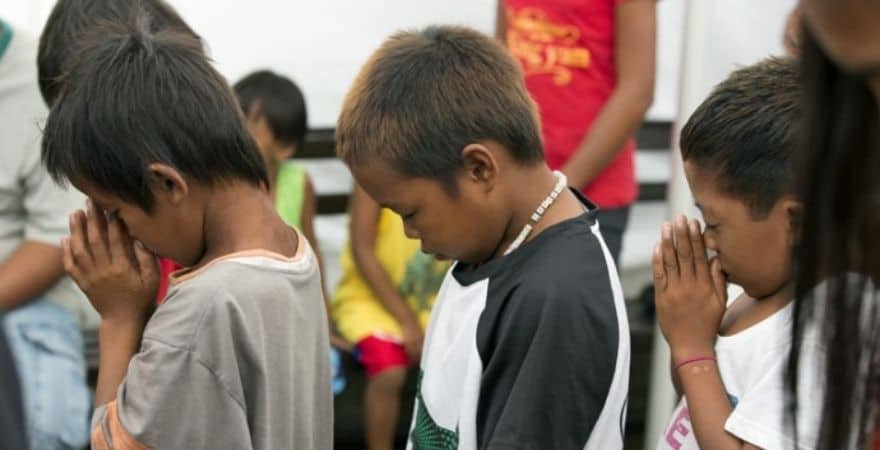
68	21
425	95
746	131
133	98
279	100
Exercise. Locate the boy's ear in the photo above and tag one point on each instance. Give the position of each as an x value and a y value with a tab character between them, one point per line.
480	165
253	112
286	152
168	182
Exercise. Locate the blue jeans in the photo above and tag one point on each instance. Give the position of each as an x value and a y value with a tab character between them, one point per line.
338	380
47	345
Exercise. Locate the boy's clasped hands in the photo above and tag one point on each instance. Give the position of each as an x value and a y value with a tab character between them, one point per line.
119	276
690	290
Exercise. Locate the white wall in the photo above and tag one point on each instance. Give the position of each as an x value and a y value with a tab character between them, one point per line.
322	43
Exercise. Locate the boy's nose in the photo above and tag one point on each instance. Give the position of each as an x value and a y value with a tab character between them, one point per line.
711	243
410	232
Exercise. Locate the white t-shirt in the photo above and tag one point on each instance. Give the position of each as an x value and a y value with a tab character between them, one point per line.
32	206
752	364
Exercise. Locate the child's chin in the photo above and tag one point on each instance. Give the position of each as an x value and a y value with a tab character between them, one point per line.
435	255
439	256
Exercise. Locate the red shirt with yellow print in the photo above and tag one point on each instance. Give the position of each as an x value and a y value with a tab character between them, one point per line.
566	48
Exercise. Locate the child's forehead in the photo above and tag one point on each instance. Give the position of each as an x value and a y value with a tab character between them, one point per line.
391	193
390	188
715	200
98	196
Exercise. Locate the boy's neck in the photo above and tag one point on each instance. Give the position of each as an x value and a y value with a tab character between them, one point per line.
746	311
241	217
565	207
272	171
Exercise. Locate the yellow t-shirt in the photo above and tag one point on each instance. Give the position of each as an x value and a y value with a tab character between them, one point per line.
356	310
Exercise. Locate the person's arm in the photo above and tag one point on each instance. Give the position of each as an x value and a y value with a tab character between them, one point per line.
623	113
118	341
310	211
676	380
120	278
709	406
30	271
691	297
179	376
35	266
500	21
364	224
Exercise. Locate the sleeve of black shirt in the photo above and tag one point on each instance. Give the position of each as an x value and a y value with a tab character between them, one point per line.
549	355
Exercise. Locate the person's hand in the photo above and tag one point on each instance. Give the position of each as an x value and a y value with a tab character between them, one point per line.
413	338
690	290
341	344
120	277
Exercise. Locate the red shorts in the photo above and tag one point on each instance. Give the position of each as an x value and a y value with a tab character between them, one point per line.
378	354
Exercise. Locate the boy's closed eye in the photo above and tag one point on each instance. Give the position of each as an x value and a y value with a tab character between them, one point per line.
109	214
707	224
399	211
103	210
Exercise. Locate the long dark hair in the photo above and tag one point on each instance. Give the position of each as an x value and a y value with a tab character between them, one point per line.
838	259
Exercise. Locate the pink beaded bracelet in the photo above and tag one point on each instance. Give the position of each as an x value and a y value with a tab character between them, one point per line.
693	360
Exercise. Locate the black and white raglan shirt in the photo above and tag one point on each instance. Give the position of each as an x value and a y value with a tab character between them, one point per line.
528	351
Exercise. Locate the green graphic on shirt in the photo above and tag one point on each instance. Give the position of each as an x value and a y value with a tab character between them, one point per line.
426	434
422	280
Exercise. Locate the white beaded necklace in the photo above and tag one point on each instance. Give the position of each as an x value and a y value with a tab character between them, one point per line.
561	182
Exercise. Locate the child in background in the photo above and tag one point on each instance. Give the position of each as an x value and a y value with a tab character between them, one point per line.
67	22
729	359
528	344
170	169
276	116
382	305
275	112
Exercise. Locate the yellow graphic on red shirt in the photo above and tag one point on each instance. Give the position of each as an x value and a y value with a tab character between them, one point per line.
544	47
